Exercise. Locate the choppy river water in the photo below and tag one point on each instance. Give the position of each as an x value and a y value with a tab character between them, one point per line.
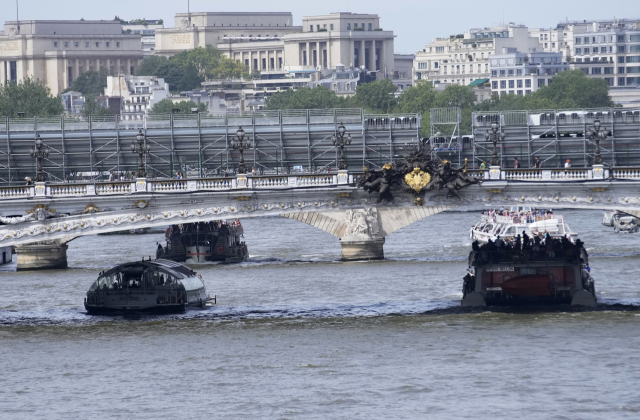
298	334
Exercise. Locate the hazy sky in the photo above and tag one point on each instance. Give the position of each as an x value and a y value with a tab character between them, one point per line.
413	22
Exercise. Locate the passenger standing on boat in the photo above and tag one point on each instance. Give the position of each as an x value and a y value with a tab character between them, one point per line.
516	164
483	165
112	176
536	163
29	181
567	164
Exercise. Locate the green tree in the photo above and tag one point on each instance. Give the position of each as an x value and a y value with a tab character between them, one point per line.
305	98
172	74
376	96
190	79
456	96
419	98
90	82
150	65
573	89
166	106
29	96
93	107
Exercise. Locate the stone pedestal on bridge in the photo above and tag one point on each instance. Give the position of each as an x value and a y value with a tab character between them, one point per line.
46	255
370	249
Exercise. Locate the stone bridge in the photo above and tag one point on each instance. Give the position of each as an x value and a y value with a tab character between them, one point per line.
329	201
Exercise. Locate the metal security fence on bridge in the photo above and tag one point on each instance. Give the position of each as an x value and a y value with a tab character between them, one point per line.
200	145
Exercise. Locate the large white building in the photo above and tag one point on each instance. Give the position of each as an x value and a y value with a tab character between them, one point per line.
463	59
268	42
56	52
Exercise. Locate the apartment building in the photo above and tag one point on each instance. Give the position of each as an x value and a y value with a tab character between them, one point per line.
517	73
147	31
137	94
56	52
463	59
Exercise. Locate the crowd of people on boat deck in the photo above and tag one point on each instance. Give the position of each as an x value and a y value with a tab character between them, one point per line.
221	226
526	248
521	216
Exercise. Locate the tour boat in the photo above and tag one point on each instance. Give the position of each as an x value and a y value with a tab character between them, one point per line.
159	286
200	242
493	225
511	277
624	223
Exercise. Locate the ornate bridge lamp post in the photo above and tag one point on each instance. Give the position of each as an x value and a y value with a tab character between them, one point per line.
495	138
240	144
140	148
39	151
340	141
594	134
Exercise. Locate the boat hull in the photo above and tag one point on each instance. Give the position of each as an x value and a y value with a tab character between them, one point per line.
528	286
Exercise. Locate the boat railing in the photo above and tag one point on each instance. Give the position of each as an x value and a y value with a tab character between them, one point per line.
486	257
518	219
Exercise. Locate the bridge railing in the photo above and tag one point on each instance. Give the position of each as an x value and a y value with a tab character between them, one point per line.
249	182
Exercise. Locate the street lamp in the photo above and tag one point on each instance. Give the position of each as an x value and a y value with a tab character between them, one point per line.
239	143
138	146
495	138
39	152
594	134
340	141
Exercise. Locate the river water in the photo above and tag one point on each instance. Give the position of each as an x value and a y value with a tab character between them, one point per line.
298	334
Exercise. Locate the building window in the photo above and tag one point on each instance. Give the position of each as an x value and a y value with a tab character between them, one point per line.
585	70
97	44
348	26
633	59
108	44
370	27
578	50
578	41
520	92
609	80
620	49
608	70
633	81
633	70
435	65
519	72
621	60
526	92
634	48
55	44
503	84
587	51
511	84
503	73
540	82
66	44
510	72
596	70
439	49
620	81
620	70
620	38
527	83
331	26
586	39
519	84
117	44
86	45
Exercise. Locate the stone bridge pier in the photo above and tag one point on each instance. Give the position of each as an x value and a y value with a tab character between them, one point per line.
362	232
44	255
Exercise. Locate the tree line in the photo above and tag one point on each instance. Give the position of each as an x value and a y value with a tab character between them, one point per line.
569	89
